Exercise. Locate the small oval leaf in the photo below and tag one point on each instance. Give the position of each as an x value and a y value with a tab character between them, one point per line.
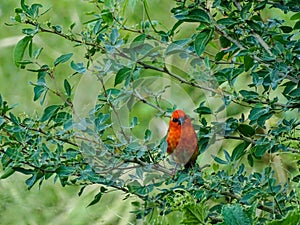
20	49
63	58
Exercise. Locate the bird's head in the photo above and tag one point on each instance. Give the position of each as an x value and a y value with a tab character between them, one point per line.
178	118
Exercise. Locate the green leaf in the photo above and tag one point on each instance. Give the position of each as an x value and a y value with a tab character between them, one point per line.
293	217
81	190
63	117
195	15
194	214
297	25
260	5
239	151
101	122
7	173
37	53
38	91
295	92
65	171
249	197
33	179
262	119
63	58
177	46
227	156
29	31
286	29
134	122
78	67
202	40
107	16
250	160
176	25
67	87
218	57
2	121
246	130
249	95
203	110
49	112
227	21
114	36
24	6
122	75
225	43
234	214
14	119
260	150
218	160
138	41
255	25
20	49
256	112
109	4
98	196
147	136
296	16
248	62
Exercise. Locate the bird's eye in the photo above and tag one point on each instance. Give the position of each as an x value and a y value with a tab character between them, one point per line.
175	120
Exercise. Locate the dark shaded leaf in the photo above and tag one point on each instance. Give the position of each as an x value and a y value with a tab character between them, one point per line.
246	130
225	43
248	62
286	29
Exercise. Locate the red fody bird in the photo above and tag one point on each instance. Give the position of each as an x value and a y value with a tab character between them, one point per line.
182	140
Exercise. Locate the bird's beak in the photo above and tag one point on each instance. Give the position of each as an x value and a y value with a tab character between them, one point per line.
181	120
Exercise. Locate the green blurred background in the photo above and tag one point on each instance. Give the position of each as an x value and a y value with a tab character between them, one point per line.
52	204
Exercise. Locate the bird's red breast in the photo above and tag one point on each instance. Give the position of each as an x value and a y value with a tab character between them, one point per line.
182	140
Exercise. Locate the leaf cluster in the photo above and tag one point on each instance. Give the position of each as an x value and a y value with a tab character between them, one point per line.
237	54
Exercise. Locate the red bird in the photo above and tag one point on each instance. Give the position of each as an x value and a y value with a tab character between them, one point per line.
182	140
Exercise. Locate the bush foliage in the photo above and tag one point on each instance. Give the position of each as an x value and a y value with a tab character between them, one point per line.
234	66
